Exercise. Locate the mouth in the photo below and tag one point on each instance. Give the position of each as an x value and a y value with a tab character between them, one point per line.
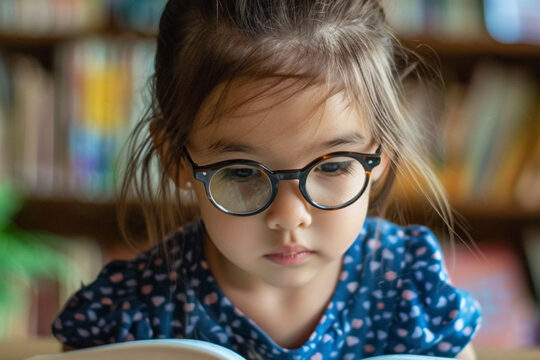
289	255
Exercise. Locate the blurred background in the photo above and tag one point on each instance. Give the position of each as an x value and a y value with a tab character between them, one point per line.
73	77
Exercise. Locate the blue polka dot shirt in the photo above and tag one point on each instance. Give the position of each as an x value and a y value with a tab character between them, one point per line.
393	296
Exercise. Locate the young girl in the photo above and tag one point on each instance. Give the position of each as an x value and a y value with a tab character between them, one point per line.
281	123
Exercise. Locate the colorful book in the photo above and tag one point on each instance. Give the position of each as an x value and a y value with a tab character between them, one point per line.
495	275
449	19
531	245
527	190
517	112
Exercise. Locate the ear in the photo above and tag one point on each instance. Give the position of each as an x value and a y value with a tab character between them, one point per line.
177	169
184	175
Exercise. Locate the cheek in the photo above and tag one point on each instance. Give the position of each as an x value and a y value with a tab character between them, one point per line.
213	217
351	215
341	227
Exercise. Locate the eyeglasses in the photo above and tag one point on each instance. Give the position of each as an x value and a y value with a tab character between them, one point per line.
245	187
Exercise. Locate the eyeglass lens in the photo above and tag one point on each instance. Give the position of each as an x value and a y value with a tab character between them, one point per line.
241	189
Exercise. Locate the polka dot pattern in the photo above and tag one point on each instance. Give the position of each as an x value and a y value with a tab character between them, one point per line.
393	296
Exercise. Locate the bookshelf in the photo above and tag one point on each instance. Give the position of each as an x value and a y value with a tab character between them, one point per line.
87	210
76	216
484	47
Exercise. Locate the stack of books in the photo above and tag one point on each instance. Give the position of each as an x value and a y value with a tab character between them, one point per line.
52	18
62	135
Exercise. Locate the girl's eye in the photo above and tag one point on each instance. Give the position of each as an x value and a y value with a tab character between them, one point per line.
335	168
241	174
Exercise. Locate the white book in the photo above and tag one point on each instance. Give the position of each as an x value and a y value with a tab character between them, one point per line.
173	349
149	350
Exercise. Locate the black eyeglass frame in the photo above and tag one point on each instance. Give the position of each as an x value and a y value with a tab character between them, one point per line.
204	174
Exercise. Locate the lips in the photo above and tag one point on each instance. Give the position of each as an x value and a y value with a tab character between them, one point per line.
289	255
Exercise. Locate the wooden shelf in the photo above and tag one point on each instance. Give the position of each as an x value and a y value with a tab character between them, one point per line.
98	220
482	221
52	39
77	218
496	212
480	47
445	47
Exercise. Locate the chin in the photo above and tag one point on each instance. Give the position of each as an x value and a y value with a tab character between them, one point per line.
290	278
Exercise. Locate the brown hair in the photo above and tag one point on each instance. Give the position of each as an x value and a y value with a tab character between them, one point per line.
345	44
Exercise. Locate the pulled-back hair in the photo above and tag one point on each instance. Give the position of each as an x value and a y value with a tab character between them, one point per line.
344	45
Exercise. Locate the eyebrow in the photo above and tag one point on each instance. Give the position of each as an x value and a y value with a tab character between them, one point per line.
348	139
224	146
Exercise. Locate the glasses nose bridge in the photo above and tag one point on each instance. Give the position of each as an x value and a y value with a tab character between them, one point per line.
287	175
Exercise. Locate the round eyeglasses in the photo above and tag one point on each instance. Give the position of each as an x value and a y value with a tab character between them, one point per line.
245	187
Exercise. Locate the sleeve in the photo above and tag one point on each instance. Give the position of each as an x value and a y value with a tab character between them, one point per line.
109	310
432	316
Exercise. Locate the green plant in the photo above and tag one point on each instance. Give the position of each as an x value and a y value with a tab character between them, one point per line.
25	257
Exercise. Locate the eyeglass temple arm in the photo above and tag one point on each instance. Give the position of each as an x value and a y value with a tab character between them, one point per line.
193	163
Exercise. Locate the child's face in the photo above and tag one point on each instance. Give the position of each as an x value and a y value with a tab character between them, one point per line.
291	242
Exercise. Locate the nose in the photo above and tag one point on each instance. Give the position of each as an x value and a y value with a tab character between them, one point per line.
289	210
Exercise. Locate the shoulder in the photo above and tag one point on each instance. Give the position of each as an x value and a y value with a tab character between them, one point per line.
164	261
126	295
386	256
391	241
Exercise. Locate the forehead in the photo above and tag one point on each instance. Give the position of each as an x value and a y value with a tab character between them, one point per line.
271	113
